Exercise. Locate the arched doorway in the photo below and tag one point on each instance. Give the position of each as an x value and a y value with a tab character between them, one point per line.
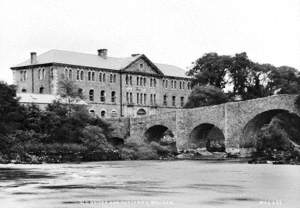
207	136
288	122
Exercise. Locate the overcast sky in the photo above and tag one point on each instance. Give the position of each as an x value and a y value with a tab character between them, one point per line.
168	31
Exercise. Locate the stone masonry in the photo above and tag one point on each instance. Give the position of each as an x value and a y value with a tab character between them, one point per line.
231	118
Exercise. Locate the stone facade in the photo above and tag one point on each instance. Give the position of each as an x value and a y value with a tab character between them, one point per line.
139	88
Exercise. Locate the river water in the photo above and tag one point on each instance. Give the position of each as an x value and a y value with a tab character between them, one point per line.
165	184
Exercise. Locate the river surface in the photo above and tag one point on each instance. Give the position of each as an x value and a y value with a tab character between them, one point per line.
165	184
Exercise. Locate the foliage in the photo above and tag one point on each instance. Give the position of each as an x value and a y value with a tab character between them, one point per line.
284	80
241	78
204	96
297	103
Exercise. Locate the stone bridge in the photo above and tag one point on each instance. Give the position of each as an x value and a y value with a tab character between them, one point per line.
235	122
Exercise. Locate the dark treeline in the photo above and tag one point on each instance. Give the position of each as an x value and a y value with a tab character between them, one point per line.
63	132
59	133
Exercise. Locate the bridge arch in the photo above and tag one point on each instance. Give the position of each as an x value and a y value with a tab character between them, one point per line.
253	126
156	132
209	136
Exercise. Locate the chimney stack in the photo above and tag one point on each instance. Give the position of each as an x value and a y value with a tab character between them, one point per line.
33	59
135	54
102	53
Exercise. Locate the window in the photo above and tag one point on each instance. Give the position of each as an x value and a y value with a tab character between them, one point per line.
104	77
183	85
127	97
23	75
102	113
151	99
189	85
137	81
110	78
77	74
141	112
126	79
163	83
89	76
81	75
175	84
51	73
141	66
144	81
181	101
154	99
114	113
92	112
131	100
70	74
173	101
115	78
113	96
41	90
102	96
172	84
91	95
66	73
93	76
154	82
130	80
137	98
145	99
141	98
180	85
166	84
40	74
165	100
100	77
24	90
43	73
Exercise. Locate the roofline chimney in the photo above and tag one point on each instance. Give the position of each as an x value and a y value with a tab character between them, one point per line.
102	53
135	54
33	59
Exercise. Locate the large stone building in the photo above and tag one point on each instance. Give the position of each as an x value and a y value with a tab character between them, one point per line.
112	87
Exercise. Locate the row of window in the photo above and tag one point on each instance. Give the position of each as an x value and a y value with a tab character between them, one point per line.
114	113
140	81
113	97
23	75
174	84
91	76
165	101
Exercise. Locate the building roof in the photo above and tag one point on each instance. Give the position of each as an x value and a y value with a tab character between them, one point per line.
44	99
93	60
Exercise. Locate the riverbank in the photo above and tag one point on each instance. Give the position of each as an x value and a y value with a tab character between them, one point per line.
277	158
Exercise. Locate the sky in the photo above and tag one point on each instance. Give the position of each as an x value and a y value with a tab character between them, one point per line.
175	32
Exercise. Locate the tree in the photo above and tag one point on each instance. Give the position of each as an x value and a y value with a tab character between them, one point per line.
284	80
11	112
69	91
204	96
242	78
210	69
